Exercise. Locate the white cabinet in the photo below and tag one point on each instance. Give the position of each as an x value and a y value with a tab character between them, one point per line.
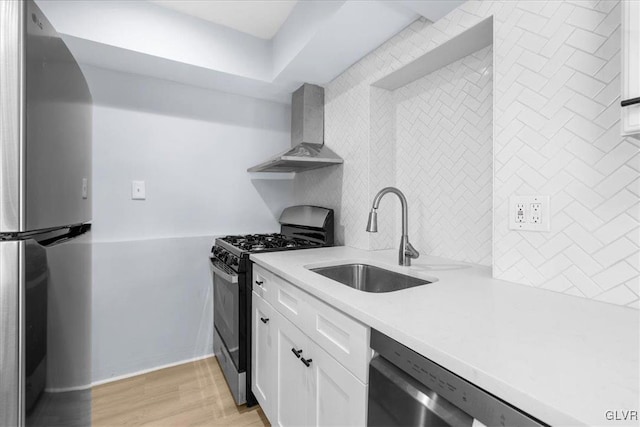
293	380
313	389
263	346
309	361
343	337
340	399
631	66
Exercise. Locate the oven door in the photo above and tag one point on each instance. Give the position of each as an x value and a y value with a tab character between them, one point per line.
226	308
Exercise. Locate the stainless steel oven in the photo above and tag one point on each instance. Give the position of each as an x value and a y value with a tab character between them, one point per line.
407	389
302	227
226	307
229	341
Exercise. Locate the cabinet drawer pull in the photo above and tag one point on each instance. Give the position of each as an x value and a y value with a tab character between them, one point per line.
259	282
296	352
630	101
306	362
264	320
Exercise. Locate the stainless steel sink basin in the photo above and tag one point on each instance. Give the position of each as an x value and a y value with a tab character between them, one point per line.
368	278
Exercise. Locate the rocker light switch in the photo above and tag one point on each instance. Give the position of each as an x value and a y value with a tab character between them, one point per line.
137	190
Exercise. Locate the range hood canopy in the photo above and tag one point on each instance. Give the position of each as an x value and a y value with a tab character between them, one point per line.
307	136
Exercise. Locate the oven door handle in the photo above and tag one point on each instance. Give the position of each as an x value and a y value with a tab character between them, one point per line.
233	278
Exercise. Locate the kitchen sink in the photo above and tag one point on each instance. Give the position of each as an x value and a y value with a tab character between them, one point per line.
369	278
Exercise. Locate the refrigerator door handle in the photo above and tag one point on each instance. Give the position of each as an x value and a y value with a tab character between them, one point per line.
72	232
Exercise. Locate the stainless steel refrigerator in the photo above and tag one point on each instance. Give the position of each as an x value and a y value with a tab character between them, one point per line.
45	214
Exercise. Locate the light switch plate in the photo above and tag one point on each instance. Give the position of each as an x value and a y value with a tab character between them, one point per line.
138	190
529	213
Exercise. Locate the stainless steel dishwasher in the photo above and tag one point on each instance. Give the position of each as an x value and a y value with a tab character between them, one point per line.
407	389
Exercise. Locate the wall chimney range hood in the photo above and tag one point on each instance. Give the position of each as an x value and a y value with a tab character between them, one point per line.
307	136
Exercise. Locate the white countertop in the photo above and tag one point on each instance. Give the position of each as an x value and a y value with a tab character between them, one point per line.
563	359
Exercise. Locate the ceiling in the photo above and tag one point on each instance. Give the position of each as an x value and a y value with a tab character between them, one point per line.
258	18
306	41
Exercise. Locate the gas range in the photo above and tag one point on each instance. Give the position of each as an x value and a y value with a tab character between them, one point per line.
262	242
302	227
230	249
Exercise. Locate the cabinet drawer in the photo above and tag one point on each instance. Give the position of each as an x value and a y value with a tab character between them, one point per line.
344	338
283	296
263	284
293	303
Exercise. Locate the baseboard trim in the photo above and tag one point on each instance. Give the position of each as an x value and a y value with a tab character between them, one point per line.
155	368
68	389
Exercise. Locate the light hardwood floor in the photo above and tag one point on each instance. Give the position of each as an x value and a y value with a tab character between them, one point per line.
193	394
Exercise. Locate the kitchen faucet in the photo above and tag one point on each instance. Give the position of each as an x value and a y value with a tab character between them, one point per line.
407	251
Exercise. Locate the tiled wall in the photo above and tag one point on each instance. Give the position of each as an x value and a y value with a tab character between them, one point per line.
354	130
557	132
444	158
383	168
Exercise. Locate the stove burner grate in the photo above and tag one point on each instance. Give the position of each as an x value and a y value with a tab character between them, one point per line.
260	242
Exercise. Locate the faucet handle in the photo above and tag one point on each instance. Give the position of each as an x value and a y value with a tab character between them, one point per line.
410	251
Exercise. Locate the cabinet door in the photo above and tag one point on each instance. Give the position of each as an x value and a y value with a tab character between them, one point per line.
338	397
631	66
263	349
293	400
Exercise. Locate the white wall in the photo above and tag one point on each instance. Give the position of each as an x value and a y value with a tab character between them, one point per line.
557	133
152	304
152	286
192	147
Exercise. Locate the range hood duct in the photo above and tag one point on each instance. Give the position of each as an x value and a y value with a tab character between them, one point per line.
307	136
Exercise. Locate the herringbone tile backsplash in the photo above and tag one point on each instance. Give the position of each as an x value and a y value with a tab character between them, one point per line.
444	158
556	82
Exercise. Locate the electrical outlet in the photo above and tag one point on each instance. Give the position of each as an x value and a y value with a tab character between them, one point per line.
520	213
535	210
529	213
